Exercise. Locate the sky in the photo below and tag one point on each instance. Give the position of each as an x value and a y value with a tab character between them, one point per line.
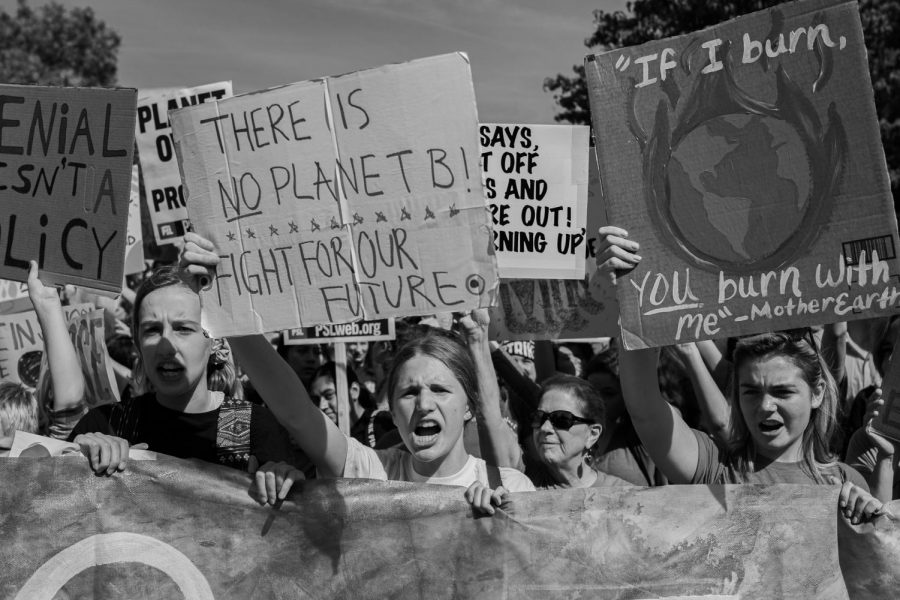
512	44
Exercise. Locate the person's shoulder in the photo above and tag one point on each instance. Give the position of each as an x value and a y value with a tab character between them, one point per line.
515	480
852	475
607	480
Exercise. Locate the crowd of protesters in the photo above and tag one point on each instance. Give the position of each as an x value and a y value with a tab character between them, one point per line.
443	404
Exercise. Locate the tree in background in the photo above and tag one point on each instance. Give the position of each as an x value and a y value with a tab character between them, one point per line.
647	20
53	46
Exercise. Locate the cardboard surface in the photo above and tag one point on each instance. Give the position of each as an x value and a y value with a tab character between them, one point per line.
536	182
562	310
342	198
755	184
13	297
134	249
22	344
358	331
65	166
88	335
162	180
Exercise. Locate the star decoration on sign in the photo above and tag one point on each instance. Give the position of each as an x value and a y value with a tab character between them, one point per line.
230	236
379	217
404	215
357	219
293	226
272	230
335	224
313	226
428	214
453	211
250	233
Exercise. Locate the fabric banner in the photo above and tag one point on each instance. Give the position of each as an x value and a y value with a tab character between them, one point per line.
170	528
746	159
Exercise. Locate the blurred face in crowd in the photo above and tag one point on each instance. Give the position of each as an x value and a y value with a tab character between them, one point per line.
356	352
304	360
429	406
566	357
172	343
323	392
526	367
559	446
610	390
776	403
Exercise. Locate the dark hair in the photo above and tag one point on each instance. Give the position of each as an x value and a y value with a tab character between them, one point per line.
592	406
161	277
444	346
799	347
121	349
329	369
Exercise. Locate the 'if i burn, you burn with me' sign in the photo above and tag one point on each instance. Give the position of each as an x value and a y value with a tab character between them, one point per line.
342	198
746	161
65	174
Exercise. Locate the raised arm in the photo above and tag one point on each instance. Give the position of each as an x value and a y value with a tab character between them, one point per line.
65	368
667	438
663	432
498	443
274	379
713	405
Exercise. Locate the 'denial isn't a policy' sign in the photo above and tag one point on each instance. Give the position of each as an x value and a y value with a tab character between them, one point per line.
65	175
342	198
746	160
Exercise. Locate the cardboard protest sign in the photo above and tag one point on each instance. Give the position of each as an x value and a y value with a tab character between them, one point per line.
65	160
13	297
87	332
357	331
134	250
536	181
341	198
22	344
173	528
560	310
746	160
162	181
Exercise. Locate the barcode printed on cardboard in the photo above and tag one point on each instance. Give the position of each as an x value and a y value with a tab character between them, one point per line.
883	246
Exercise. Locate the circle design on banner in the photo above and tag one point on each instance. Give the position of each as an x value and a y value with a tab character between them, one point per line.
475	284
112	548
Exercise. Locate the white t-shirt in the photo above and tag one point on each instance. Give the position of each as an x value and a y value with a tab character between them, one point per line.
394	464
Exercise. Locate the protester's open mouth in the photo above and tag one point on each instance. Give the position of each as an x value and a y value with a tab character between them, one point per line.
169	370
770	426
426	432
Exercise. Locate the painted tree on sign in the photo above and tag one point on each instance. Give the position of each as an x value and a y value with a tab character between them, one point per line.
56	46
646	20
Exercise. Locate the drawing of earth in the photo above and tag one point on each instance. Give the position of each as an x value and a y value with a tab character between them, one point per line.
739	186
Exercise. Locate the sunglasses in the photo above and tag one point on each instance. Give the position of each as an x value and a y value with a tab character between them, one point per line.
560	419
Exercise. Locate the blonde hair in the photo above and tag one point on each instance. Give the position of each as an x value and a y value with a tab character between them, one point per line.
18	408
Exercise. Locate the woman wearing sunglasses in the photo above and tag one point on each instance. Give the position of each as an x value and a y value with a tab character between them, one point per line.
565	431
782	417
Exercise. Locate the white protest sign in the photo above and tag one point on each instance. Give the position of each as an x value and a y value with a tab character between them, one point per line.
341	198
536	182
162	181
